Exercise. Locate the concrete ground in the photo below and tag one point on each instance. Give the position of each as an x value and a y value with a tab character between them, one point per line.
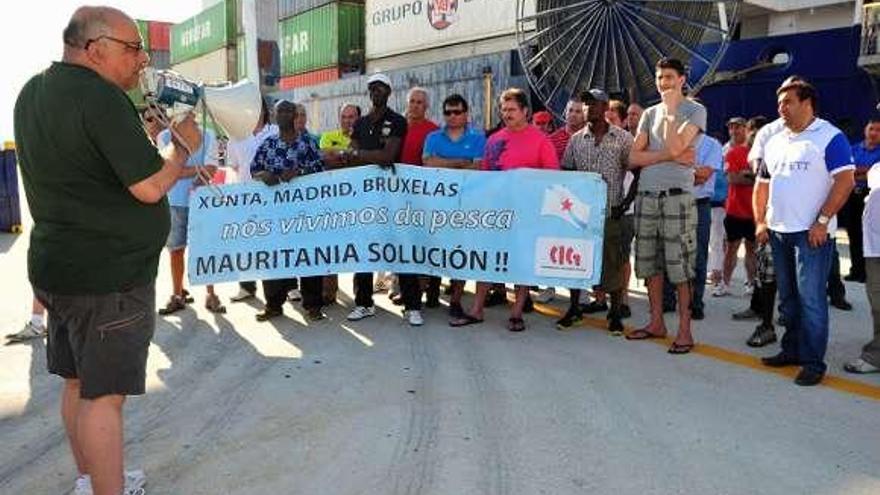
376	407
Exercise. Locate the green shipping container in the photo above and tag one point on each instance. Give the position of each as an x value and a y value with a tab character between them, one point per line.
207	31
144	30
328	36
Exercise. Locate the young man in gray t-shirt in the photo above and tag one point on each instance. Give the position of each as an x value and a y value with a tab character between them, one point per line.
666	214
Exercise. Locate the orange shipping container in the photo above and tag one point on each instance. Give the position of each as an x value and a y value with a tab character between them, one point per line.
160	35
309	78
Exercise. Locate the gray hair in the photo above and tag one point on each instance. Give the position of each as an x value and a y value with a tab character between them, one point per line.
418	89
88	23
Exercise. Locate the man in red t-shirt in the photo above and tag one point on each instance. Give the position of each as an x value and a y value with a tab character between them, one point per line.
739	223
574	121
418	126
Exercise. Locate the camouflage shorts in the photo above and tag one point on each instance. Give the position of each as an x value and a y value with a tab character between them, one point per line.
666	236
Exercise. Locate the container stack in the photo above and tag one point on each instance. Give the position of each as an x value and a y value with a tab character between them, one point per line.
156	36
203	46
320	41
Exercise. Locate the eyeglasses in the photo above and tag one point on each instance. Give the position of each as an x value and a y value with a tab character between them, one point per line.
452	112
135	46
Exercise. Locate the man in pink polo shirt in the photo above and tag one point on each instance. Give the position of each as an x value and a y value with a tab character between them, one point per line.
517	145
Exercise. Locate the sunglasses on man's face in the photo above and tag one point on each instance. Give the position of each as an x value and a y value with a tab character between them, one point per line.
452	112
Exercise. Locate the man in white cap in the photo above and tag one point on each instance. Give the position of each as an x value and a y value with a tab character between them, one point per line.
378	139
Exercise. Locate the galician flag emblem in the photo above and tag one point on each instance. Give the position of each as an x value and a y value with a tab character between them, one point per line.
560	202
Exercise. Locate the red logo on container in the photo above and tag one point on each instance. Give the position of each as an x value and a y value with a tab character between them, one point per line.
565	255
442	13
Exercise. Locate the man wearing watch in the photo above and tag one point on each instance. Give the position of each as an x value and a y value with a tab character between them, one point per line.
805	177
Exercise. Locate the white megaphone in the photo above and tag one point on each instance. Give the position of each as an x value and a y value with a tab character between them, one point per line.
235	108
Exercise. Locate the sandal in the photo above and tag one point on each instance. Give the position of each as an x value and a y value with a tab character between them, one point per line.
174	304
642	334
213	304
516	324
187	298
465	320
676	348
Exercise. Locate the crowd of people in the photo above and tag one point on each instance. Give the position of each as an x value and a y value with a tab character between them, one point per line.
685	201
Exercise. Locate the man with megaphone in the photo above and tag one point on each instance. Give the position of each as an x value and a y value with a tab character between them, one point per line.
96	187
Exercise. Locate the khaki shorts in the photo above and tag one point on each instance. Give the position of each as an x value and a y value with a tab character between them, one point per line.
666	236
613	255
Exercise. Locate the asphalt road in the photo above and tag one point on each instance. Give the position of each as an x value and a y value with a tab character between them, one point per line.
376	407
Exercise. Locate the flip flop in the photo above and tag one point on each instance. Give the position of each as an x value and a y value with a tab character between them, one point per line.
680	348
465	321
642	334
516	324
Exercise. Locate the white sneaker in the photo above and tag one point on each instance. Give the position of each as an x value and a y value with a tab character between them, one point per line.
414	317
361	312
29	332
545	295
294	295
135	480
721	290
748	288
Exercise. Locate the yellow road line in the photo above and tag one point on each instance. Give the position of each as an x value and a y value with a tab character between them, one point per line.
838	383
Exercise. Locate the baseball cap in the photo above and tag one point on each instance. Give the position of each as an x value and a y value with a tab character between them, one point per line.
595	94
542	118
379	77
736	121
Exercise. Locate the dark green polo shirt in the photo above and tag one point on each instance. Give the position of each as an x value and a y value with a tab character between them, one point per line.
80	145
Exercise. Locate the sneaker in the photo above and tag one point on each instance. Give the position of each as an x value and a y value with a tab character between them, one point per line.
243	295
29	332
860	367
746	314
414	317
615	326
135	480
572	316
294	295
720	290
748	288
546	295
315	314
361	312
763	335
594	307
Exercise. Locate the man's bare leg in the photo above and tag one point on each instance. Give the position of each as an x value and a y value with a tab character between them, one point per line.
177	268
655	302
69	411
522	293
684	336
480	299
99	434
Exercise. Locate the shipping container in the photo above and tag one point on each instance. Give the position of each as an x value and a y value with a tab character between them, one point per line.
144	31
328	36
479	79
10	198
204	33
401	26
290	8
160	35
312	78
216	67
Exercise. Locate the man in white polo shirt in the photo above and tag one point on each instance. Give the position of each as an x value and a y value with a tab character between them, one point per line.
805	177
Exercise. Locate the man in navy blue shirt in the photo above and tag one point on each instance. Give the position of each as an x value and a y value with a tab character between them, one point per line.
865	154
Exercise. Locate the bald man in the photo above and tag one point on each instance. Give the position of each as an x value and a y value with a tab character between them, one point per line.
96	189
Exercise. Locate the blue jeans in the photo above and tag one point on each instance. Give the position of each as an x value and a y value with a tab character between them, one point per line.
704	228
802	277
